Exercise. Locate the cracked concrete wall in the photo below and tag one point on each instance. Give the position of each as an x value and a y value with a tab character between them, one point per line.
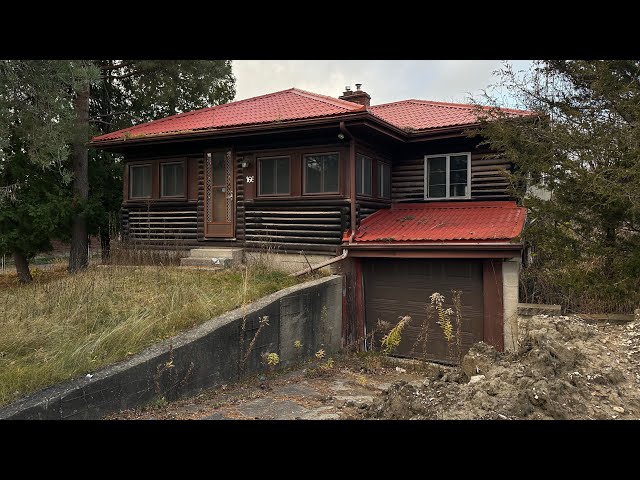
510	278
203	357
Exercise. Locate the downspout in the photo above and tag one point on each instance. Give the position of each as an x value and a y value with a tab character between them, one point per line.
320	265
352	179
352	199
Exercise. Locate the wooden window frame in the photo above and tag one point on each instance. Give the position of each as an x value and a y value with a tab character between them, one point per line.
447	176
185	175
259	177
372	163
379	166
304	174
130	179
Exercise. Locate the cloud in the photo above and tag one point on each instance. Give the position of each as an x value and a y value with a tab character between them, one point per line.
385	80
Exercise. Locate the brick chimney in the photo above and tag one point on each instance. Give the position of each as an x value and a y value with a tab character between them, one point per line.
359	96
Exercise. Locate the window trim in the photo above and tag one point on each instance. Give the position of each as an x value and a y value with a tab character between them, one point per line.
380	165
184	179
259	177
130	178
304	174
371	160
447	176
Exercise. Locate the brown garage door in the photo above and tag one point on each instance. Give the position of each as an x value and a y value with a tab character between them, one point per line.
393	288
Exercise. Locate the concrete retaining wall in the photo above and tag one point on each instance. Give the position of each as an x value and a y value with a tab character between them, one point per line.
206	356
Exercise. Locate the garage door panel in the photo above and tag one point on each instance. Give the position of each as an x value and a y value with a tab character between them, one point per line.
397	287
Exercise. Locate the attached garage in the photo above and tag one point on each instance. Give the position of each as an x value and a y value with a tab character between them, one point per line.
397	287
403	255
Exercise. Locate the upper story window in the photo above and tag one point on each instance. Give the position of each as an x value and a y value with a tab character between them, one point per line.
384	180
363	175
273	175
448	176
321	173
172	179
140	181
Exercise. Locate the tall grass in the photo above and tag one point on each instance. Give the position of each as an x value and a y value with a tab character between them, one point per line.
64	326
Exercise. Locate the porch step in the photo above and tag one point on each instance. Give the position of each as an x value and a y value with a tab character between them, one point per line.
212	257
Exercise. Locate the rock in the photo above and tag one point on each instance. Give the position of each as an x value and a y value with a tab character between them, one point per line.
476	378
618	409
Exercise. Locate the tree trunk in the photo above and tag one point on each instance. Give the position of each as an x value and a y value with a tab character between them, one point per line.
105	246
78	259
22	267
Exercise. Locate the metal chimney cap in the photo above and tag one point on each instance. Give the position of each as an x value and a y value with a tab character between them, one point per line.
347	88
358	85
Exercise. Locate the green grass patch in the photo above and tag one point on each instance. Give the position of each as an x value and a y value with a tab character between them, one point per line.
63	326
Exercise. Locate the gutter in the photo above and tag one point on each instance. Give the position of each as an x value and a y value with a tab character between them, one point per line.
433	246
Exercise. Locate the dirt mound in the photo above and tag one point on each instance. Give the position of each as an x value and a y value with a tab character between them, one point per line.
565	369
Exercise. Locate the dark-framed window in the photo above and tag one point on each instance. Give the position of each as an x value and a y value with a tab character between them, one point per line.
384	180
447	176
172	179
140	181
321	173
274	176
363	175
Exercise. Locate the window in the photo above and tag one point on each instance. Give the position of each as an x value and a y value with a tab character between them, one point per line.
273	174
172	179
448	176
384	180
140	181
321	173
363	175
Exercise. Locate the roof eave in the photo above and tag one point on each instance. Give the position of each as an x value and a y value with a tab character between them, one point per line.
230	131
489	245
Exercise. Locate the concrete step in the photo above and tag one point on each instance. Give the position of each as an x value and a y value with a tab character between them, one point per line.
205	262
233	253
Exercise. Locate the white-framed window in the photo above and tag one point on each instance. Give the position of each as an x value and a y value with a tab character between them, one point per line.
447	176
363	175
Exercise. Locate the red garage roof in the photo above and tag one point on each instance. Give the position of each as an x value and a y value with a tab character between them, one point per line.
443	221
292	104
424	114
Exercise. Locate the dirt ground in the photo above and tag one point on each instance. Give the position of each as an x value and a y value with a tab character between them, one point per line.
565	368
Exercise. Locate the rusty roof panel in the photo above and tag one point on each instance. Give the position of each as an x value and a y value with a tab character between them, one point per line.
443	221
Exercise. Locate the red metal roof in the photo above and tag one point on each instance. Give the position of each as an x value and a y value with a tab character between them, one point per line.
295	104
443	221
424	114
291	104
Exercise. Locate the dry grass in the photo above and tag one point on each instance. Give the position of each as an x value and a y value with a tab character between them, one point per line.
63	326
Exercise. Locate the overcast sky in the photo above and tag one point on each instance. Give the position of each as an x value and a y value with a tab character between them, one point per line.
385	80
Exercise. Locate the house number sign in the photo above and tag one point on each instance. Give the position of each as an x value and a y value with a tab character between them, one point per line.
250	179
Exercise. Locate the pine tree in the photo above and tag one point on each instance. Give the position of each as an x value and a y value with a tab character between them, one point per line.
583	145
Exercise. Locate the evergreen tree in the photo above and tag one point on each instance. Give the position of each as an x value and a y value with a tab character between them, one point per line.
583	146
49	110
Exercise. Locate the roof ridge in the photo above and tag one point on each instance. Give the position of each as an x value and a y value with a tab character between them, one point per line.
461	106
336	102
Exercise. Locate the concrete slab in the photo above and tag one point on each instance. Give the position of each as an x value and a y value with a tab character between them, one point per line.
271	409
296	390
321	413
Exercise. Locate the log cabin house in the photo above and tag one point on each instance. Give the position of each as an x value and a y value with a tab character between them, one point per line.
395	196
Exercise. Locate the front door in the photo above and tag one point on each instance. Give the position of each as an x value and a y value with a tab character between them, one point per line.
219	198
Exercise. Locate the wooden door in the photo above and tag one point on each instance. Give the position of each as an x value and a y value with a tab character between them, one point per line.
219	194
